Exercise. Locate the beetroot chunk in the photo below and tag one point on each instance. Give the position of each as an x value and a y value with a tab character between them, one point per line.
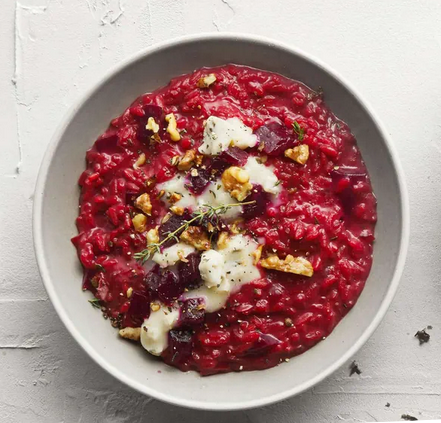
139	309
196	184
150	110
181	344
192	312
276	138
189	274
258	208
163	284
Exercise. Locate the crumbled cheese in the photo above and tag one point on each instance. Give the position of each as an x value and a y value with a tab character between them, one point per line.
212	268
177	185
219	134
216	195
154	330
263	175
237	269
173	254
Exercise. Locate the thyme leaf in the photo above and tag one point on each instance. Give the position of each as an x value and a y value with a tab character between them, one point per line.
298	130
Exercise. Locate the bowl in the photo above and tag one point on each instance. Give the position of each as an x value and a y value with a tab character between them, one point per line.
56	207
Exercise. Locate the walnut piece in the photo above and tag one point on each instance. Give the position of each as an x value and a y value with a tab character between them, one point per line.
172	127
299	154
139	222
177	210
143	203
297	265
140	161
223	240
257	254
206	81
237	182
134	334
152	125
197	237
174	198
152	236
186	162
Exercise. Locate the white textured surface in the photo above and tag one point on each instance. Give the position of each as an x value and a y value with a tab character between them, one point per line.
52	50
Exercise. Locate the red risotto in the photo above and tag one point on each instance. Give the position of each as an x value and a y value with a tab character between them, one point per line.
226	221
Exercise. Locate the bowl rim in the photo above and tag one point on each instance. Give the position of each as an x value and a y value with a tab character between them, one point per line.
43	265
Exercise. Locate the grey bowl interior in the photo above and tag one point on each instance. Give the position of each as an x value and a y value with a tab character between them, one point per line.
57	205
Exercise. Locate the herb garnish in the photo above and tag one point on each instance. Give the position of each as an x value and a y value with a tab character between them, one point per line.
205	211
96	303
278	183
298	130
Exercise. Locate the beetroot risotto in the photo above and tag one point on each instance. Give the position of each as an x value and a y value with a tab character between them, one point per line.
226	221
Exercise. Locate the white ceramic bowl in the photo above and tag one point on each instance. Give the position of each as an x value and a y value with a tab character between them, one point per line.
56	207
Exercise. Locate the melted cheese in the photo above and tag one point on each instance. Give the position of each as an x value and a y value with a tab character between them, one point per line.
235	269
263	175
219	134
177	185
154	330
171	255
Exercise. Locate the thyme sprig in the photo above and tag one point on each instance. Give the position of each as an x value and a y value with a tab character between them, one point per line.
298	130
206	211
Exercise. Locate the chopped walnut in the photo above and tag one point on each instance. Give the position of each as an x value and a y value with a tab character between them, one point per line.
235	226
143	203
197	237
181	256
172	127
186	162
134	334
297	265
140	161
198	159
139	222
257	254
206	81
166	217
177	210
299	154
174	160
152	125
154	306
174	198
150	181
237	182
222	241
152	236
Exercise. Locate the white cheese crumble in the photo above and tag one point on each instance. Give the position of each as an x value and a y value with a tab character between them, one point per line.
216	195
177	185
219	134
154	330
235	269
263	175
173	254
212	268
